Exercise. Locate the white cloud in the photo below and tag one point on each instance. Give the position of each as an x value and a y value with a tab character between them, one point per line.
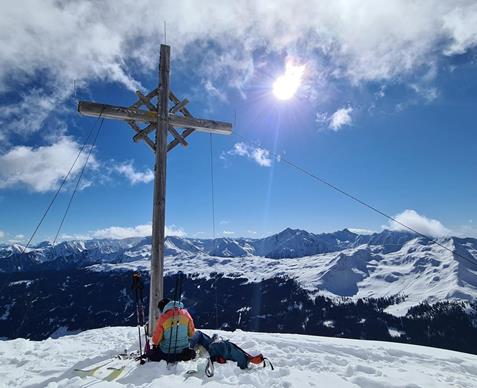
361	231
259	155
466	230
27	115
42	168
84	41
428	93
420	223
134	176
228	232
173	230
337	120
213	91
2	234
460	23
340	117
119	232
18	239
75	236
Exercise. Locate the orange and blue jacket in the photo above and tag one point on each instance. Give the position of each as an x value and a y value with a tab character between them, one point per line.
173	328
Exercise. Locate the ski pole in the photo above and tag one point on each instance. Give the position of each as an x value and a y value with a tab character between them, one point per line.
173	315
180	297
137	287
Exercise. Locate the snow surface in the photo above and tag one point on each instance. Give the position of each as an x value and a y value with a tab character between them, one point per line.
300	361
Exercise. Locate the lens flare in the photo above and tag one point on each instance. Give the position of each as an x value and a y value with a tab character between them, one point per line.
286	85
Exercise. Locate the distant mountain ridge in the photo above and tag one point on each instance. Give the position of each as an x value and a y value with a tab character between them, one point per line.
290	243
343	263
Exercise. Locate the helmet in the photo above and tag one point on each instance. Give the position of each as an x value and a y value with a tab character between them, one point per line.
162	303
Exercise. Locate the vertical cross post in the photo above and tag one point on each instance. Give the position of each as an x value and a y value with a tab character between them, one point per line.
159	199
161	120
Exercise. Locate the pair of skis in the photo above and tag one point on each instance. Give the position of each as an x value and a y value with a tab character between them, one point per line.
114	368
122	365
110	370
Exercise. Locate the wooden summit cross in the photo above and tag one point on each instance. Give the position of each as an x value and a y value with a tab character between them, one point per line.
161	120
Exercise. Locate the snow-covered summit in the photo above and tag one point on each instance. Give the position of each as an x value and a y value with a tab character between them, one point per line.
300	361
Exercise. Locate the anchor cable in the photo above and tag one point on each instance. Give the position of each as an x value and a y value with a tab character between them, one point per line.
356	199
78	181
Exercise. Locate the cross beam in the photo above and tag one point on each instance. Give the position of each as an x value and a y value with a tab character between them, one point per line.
162	120
87	108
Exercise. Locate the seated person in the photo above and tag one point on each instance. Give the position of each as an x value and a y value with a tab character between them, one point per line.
171	335
175	338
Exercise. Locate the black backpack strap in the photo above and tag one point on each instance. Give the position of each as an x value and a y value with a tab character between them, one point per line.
264	363
209	369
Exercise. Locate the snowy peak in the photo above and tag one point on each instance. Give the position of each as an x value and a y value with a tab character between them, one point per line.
176	245
299	243
227	247
391	240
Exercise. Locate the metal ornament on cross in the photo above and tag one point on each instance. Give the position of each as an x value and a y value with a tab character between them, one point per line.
162	121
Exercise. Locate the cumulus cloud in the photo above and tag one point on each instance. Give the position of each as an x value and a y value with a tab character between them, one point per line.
422	224
337	120
82	41
42	168
119	232
340	117
259	155
228	232
127	169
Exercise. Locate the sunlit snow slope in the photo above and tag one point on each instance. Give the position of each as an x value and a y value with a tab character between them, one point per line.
417	270
300	361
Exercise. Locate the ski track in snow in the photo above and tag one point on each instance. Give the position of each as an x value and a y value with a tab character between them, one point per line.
300	361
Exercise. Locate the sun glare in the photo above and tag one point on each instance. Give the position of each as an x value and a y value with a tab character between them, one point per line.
286	85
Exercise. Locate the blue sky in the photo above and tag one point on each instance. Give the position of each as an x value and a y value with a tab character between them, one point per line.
385	111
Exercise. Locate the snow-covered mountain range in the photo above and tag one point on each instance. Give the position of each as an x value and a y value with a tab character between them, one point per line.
340	264
290	243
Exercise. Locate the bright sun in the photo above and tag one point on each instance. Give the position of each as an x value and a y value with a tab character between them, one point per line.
286	85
